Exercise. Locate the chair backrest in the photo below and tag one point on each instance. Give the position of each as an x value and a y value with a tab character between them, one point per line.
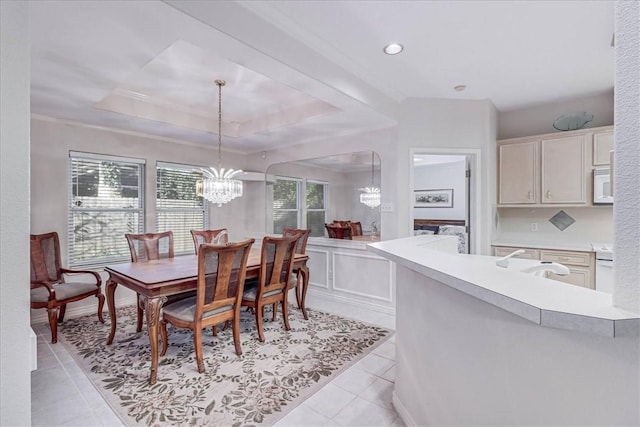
214	237
342	223
150	246
221	275
301	247
356	228
336	231
45	258
276	263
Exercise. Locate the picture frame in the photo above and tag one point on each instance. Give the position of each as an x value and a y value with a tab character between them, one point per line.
442	198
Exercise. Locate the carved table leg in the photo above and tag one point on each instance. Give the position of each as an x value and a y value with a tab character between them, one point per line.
111	303
152	311
304	272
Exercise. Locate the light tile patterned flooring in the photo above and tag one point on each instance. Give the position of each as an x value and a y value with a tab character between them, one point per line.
62	395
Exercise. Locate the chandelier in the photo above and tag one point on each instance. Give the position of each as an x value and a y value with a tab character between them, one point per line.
370	195
219	185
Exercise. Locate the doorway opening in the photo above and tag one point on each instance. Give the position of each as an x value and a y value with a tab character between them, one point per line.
443	195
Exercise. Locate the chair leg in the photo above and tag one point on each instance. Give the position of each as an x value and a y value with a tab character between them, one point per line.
236	333
163	335
274	311
53	323
197	342
63	309
259	313
140	314
100	307
285	315
214	329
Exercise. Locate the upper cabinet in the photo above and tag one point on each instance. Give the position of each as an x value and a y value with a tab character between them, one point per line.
551	169
602	145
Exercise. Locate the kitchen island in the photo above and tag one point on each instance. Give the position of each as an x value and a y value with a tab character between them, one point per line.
477	344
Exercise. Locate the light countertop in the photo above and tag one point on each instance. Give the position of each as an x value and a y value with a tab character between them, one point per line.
543	301
581	247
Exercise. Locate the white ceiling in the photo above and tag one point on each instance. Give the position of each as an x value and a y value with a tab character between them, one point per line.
303	71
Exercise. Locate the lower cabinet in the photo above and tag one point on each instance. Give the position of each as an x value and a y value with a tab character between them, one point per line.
581	264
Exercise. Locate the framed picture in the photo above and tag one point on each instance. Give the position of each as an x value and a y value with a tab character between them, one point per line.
433	198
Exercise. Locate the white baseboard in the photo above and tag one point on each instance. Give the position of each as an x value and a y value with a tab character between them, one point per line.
314	293
40	315
402	411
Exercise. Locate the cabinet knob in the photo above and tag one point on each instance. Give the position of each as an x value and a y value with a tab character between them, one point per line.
529	195
548	194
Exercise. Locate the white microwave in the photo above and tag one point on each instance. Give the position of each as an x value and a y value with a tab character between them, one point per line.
602	186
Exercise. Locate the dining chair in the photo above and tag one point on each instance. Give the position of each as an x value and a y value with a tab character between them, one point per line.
276	265
356	228
221	275
148	247
301	248
338	232
215	237
48	286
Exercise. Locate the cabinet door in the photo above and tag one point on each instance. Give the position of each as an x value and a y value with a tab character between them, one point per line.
602	145
518	173
563	170
579	276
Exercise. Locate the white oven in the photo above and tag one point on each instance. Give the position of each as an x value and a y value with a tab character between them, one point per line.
604	267
602	186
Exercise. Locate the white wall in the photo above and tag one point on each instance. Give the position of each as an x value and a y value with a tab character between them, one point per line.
15	378
539	119
442	176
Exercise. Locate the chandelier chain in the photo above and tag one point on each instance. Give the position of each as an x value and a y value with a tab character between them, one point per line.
220	83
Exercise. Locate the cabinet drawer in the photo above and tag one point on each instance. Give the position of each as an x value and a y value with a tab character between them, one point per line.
578	276
572	258
504	251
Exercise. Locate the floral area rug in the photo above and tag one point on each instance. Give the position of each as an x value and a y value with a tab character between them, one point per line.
259	387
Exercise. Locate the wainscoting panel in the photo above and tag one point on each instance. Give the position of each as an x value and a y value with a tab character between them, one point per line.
318	268
361	274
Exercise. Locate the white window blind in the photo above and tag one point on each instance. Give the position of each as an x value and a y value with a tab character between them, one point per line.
177	207
106	201
286	204
316	206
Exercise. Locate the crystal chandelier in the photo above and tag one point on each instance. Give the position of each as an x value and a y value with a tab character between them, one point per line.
219	185
370	195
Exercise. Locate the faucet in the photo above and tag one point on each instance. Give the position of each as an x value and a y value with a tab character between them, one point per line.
545	267
504	261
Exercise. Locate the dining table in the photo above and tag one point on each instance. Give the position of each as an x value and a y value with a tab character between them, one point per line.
156	280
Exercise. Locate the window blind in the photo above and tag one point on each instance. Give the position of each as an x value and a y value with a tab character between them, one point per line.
106	201
316	206
178	208
286	204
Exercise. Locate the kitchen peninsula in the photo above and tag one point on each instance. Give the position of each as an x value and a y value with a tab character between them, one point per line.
480	344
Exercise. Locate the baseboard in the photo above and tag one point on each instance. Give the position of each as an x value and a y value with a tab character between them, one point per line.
40	315
407	420
350	301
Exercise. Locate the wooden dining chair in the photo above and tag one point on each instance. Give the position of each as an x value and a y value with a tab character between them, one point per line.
215	237
147	247
301	248
356	228
338	232
221	275
276	265
48	287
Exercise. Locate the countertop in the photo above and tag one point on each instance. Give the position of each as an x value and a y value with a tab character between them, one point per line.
543	301
581	247
358	242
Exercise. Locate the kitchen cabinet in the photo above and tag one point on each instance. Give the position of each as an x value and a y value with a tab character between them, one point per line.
581	264
602	146
518	173
544	170
563	170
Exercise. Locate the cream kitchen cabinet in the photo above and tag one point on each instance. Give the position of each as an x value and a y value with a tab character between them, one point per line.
602	145
581	264
547	170
518	173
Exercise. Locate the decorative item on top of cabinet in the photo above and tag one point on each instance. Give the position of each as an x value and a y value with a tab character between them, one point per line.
602	147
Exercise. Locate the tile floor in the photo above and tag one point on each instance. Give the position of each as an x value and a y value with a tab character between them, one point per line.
360	396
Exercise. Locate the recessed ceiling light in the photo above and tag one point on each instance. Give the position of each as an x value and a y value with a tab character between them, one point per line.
393	49
459	88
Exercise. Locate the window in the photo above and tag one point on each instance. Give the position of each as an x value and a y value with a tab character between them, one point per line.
316	207
177	207
286	204
106	200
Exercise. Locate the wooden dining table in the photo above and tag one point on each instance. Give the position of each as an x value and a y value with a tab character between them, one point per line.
155	280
